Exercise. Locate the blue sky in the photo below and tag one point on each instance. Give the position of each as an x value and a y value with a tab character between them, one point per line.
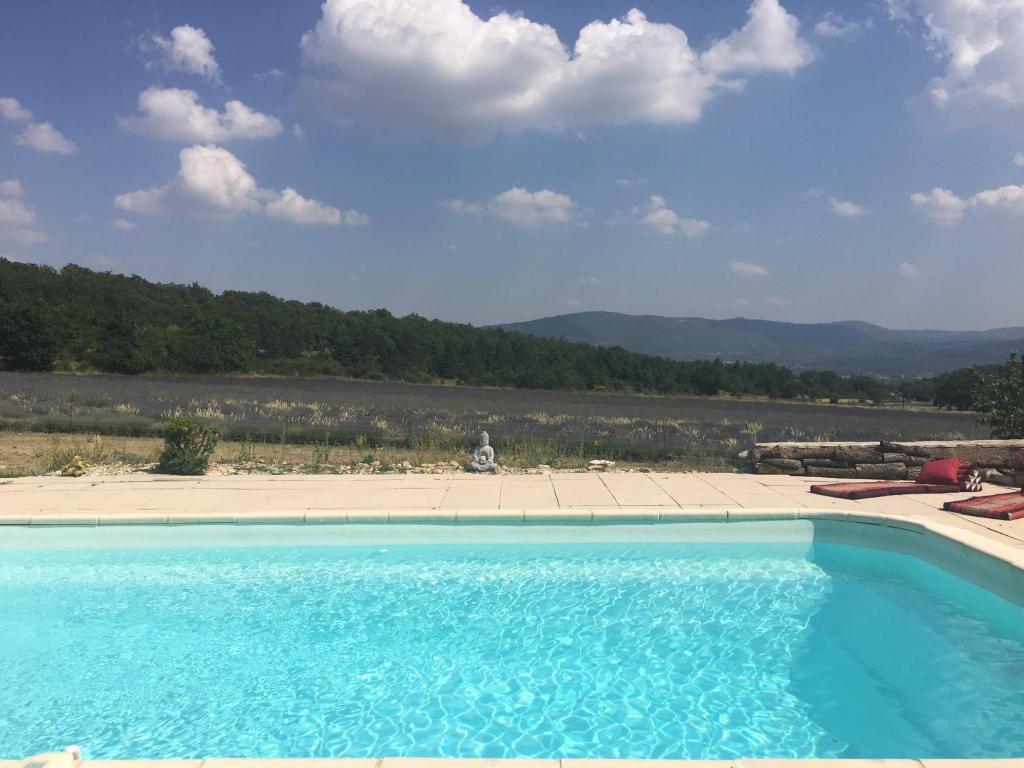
803	161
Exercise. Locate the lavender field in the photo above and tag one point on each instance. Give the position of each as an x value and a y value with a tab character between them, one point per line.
386	413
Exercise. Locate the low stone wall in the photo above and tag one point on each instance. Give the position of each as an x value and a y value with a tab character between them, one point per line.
885	460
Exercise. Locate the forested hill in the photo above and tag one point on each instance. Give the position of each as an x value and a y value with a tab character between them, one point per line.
77	319
846	347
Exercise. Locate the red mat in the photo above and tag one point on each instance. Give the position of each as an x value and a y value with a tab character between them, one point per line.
1002	506
862	490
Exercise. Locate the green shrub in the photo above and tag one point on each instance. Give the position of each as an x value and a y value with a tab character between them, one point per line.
1001	398
188	446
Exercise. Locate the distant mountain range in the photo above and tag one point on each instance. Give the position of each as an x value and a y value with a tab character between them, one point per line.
850	347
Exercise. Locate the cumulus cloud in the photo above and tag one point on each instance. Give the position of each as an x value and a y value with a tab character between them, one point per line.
174	114
980	43
909	271
213	181
521	207
658	217
188	50
846	209
124	225
11	188
1018	159
833	25
746	269
945	207
435	66
11	110
769	41
17	220
42	137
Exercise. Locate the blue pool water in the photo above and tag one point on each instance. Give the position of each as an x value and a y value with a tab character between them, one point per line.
656	649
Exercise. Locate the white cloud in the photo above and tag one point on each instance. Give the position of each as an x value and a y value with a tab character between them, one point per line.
776	301
435	66
846	209
43	137
658	217
747	269
188	50
17	219
1018	159
630	181
588	281
981	44
522	207
833	25
298	132
213	181
174	114
11	188
124	225
940	205
39	136
294	207
943	206
271	74
11	110
769	41
909	271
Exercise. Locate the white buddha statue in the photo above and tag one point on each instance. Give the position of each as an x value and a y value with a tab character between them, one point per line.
483	456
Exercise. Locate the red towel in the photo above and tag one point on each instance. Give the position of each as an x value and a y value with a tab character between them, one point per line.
870	490
1002	506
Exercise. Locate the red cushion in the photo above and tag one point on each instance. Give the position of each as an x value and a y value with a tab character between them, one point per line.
941	472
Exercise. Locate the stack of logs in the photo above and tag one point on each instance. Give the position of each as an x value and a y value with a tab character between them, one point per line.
885	460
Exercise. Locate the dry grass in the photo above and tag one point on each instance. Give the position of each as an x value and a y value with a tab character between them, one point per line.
35	453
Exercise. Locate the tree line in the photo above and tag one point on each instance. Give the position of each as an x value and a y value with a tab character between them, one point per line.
76	319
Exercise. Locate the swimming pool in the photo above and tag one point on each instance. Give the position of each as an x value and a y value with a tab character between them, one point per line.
669	641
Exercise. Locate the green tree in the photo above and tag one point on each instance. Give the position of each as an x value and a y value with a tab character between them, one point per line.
28	338
1000	397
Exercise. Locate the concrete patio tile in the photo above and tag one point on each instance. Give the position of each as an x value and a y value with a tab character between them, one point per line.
467	496
534	494
1006	762
575	493
636	491
414	498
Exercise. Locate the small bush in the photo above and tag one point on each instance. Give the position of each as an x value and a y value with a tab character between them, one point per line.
188	446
